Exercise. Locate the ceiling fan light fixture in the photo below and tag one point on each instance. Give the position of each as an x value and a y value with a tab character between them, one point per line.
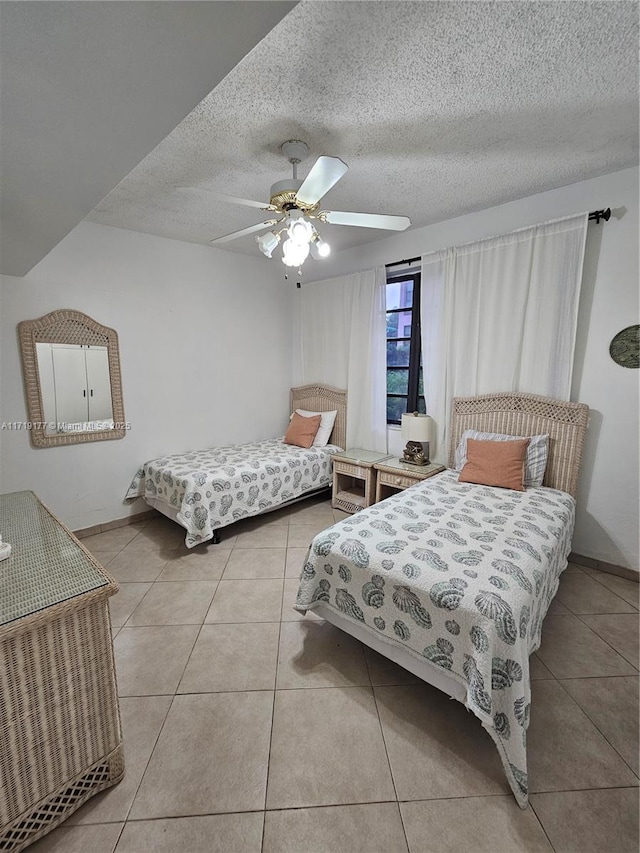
319	248
268	242
300	231
297	203
294	254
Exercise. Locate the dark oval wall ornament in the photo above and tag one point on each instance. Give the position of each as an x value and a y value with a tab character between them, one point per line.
624	349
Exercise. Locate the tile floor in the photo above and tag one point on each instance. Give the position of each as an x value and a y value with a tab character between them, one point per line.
249	728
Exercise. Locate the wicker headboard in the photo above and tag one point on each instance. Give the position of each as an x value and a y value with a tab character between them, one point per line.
528	414
323	398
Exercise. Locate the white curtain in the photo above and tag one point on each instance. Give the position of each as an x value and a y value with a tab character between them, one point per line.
500	315
341	341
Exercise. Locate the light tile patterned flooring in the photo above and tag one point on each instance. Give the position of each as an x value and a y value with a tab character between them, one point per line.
250	728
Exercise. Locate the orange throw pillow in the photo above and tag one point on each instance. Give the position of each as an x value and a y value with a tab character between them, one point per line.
495	463
302	431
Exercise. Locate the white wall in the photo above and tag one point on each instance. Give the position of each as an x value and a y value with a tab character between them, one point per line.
205	352
607	517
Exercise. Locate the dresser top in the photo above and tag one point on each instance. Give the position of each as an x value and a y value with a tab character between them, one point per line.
47	565
394	465
360	456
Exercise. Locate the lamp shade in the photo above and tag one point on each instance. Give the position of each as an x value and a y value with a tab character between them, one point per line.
294	254
417	427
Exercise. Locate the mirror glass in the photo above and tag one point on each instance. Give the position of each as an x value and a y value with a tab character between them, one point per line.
71	368
75	387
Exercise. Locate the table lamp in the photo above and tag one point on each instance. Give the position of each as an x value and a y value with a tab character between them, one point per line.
417	431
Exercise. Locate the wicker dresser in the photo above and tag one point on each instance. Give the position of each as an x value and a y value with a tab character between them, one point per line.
60	736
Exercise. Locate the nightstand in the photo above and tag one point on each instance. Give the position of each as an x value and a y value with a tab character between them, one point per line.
393	474
354	478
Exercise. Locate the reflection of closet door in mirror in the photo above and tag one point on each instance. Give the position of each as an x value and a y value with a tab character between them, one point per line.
44	362
70	377
76	387
98	384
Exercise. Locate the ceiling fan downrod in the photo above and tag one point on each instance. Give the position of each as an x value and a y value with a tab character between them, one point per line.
295	150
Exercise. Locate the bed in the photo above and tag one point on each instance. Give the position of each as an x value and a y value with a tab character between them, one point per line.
209	489
452	580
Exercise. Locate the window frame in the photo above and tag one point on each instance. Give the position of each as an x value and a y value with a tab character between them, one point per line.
415	344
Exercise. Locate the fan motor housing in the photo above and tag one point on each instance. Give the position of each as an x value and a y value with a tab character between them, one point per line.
283	196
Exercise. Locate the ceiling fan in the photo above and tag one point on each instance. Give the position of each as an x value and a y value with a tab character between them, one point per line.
296	205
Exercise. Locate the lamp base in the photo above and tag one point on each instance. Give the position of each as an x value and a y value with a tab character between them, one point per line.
416	453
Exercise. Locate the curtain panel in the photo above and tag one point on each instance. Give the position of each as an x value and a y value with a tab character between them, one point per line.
500	315
340	338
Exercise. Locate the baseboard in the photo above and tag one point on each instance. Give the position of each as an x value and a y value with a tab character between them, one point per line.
112	525
601	566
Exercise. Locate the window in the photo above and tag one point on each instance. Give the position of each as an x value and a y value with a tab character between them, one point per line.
405	392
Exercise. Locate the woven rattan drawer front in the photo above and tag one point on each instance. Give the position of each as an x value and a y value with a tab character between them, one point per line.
60	736
64	717
396	480
350	469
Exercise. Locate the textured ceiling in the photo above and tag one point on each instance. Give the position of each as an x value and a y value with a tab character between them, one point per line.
438	108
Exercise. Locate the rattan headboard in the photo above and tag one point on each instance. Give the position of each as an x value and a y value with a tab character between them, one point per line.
323	398
528	414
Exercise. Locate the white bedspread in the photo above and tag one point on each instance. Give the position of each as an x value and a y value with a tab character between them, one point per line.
460	575
212	488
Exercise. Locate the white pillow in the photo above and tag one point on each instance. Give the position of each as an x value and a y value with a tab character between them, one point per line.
535	461
326	425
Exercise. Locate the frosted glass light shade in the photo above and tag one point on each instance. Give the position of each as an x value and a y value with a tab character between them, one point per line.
267	243
300	231
294	254
417	427
319	249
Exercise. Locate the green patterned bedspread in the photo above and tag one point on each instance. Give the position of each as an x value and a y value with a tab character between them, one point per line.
212	488
461	576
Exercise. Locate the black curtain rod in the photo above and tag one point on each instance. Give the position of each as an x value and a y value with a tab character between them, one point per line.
596	215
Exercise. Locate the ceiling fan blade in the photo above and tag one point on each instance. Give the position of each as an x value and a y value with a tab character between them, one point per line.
366	220
261	205
244	231
324	174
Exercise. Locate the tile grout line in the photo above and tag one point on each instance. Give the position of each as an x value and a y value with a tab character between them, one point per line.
604	586
541	824
597	727
595	633
143	774
273	711
621	577
124	624
386	750
161	729
495	796
578	617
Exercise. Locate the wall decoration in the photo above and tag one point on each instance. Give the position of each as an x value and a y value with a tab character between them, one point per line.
71	368
624	349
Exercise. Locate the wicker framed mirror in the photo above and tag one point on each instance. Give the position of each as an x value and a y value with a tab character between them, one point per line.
71	369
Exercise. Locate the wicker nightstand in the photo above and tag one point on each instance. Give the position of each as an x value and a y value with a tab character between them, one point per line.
393	474
354	478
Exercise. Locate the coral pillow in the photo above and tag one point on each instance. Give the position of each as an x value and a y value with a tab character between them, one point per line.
326	425
302	431
535	461
496	463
